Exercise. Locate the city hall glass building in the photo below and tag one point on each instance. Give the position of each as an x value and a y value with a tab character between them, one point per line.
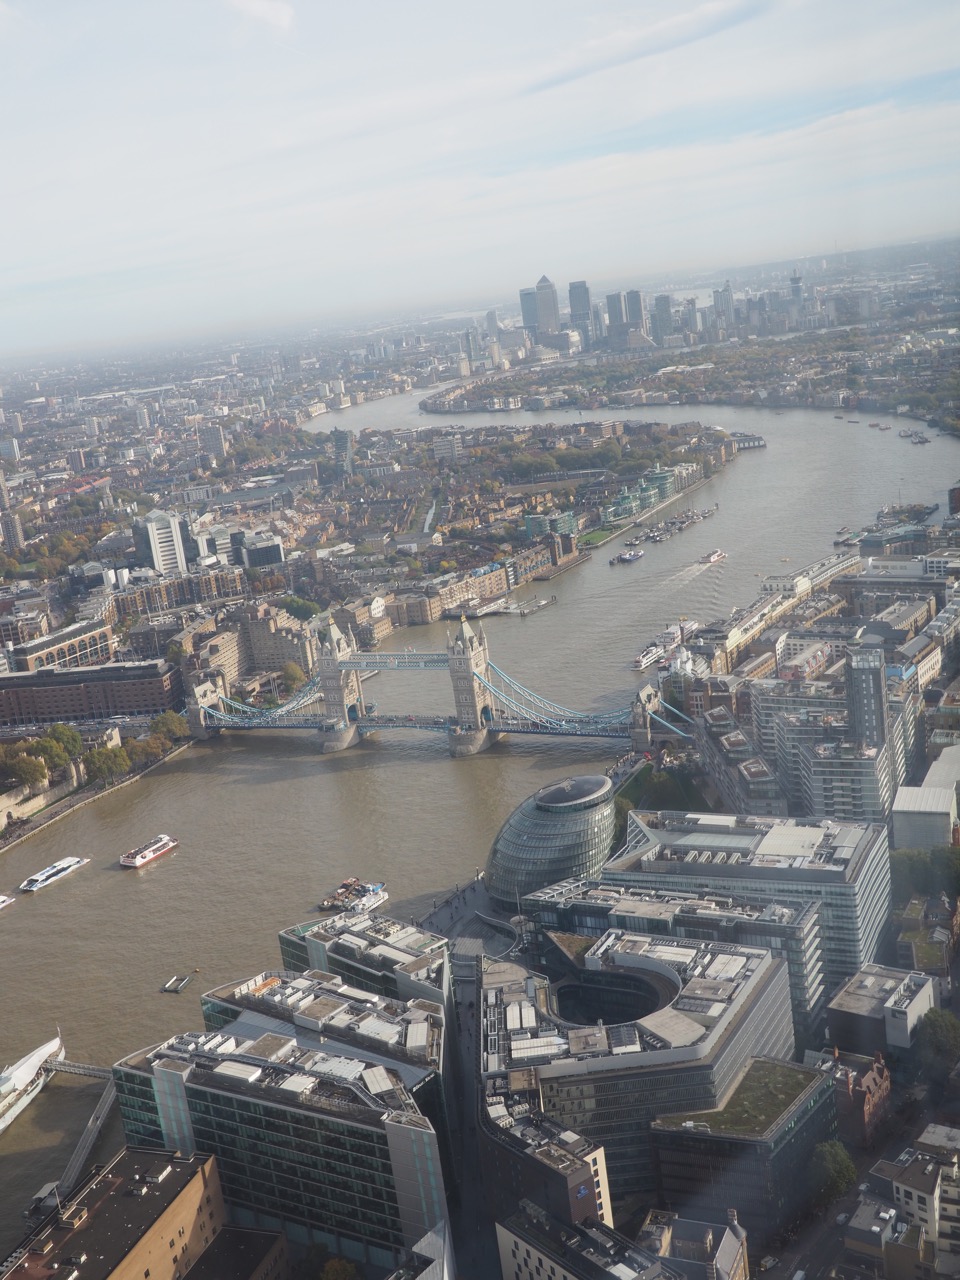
565	829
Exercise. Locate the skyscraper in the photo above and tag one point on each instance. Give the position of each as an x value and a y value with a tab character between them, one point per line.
599	322
159	542
12	531
4	493
865	677
636	313
548	308
662	321
529	317
616	309
580	317
723	305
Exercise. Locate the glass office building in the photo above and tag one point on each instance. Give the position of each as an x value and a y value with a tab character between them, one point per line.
565	829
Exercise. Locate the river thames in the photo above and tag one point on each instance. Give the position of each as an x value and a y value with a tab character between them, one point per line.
267	824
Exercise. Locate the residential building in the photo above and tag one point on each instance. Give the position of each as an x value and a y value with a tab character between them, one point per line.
148	1212
862	1091
119	689
12	531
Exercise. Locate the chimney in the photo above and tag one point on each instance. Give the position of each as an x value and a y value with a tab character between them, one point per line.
732	1217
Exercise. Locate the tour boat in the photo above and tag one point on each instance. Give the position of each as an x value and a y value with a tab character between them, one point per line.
354	895
147	852
713	556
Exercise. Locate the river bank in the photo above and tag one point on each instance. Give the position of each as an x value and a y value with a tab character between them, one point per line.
87	794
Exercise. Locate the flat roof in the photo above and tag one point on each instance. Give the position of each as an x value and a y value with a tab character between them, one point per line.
112	1221
925	799
767	1092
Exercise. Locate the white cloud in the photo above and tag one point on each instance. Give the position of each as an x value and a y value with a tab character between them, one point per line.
276	13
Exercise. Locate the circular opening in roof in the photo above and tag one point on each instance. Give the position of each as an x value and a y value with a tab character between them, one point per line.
614	998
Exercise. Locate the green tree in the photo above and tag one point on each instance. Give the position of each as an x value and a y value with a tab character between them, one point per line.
50	751
170	725
300	608
106	764
68	737
294	677
938	1045
28	770
832	1173
175	652
340	1269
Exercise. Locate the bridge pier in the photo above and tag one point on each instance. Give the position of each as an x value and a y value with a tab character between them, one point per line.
470	742
340	739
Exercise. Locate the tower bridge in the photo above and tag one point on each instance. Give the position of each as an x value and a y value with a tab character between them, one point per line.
488	703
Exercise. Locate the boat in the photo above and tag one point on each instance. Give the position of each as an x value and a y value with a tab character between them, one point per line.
629	557
843	529
653	653
5	901
357	896
713	556
904	433
173	986
147	852
838	416
21	1083
885	426
56	871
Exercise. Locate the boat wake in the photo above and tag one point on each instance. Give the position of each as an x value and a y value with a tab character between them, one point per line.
686	574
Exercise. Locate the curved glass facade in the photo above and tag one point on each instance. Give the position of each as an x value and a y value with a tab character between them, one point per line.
565	829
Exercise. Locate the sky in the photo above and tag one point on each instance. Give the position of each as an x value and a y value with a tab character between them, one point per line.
170	168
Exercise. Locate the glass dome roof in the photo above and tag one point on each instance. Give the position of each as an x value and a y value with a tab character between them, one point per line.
565	829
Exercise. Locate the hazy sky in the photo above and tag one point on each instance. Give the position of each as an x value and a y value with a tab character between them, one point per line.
174	166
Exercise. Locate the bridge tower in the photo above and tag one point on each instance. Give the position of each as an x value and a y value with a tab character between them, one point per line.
342	693
467	656
642	728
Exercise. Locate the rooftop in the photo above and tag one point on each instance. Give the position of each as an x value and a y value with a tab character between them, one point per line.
871	990
109	1221
766	1093
741	844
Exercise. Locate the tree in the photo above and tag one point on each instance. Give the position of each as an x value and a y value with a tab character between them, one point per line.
50	751
938	1045
294	677
175	652
28	770
68	737
300	608
170	725
340	1269
105	764
832	1172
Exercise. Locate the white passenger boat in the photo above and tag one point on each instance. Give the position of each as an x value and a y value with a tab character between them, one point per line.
56	871
147	852
21	1083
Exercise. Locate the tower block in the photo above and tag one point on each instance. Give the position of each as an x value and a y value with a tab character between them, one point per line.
468	657
342	692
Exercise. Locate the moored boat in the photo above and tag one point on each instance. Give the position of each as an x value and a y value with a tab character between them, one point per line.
147	852
21	1083
356	895
5	901
653	653
56	871
629	557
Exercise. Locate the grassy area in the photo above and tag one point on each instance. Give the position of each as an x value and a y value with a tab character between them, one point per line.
596	536
635	786
762	1096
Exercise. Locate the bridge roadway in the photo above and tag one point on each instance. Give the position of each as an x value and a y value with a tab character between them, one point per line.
437	724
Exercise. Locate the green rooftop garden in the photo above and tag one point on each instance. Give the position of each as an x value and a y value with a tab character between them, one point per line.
766	1091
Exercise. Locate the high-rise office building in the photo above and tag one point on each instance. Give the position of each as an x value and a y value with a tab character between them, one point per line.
548	308
661	322
158	541
636	313
724	308
599	322
9	449
493	324
616	309
529	317
323	1104
581	318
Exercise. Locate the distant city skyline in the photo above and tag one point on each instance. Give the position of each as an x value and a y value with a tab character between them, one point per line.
208	166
